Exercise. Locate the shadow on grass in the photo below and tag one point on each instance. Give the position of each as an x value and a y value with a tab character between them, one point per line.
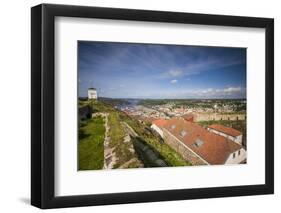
82	134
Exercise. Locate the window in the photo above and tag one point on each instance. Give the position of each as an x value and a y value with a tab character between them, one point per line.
239	152
173	126
233	155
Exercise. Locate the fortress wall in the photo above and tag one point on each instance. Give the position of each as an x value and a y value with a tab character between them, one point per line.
217	117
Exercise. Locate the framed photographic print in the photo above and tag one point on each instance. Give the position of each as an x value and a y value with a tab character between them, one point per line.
139	106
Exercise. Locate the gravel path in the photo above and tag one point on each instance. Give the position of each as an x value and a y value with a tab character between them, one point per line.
110	158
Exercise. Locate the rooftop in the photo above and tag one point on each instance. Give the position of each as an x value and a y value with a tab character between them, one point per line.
159	122
188	116
226	130
211	147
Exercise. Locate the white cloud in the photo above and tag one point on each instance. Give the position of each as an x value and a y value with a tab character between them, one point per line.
175	73
228	92
210	90
174	81
201	65
232	89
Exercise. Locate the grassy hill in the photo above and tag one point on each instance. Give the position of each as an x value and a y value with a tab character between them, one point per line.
121	149
90	146
154	141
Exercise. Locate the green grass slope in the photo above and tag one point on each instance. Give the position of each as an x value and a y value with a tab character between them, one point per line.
90	147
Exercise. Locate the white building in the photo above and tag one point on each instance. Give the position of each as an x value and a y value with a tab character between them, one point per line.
227	132
92	93
237	157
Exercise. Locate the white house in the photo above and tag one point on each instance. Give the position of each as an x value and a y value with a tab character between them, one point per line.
92	93
237	157
227	132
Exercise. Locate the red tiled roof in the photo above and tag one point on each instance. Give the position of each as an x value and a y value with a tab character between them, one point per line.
188	117
159	122
226	130
214	149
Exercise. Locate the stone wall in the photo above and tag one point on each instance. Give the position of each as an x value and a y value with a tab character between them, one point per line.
218	117
181	149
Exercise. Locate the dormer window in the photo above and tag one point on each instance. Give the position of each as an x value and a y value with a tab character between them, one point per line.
183	133
198	142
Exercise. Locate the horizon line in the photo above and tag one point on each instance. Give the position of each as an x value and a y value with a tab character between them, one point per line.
172	98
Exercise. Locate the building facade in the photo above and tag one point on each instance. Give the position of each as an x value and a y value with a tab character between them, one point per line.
92	94
237	157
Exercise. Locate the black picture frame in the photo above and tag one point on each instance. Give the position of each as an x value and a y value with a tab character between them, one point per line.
43	110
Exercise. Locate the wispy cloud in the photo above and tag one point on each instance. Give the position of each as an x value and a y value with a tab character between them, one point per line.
232	89
228	92
175	73
205	93
139	70
198	66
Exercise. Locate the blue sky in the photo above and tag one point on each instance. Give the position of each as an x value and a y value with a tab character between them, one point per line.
127	70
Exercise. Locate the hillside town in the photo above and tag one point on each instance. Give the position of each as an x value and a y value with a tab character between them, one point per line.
226	112
200	132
